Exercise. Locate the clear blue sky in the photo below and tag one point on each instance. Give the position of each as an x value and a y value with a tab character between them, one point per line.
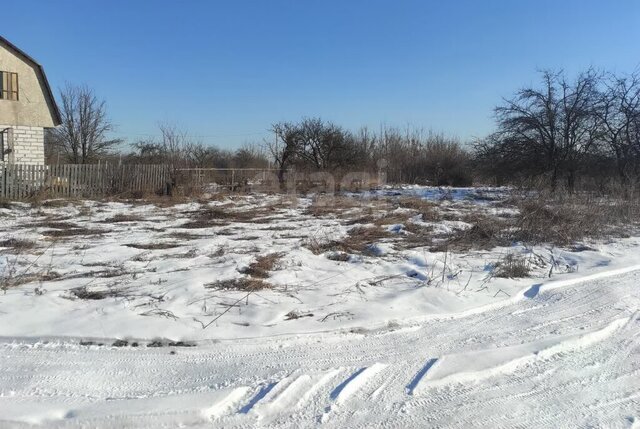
226	70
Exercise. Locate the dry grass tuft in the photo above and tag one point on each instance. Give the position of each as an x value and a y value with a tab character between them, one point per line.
512	267
391	218
263	265
247	284
427	209
21	279
293	315
332	206
359	240
152	246
54	204
417	236
338	256
93	295
557	223
161	201
484	234
186	236
58	229
121	217
18	245
72	232
216	216
360	220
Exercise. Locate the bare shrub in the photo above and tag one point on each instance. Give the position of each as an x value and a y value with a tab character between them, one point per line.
541	222
563	219
512	267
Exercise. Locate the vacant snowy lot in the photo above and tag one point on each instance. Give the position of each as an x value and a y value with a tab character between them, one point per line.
398	309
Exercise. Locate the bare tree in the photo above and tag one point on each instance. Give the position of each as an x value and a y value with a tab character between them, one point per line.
619	114
555	126
249	156
312	144
83	134
285	148
177	146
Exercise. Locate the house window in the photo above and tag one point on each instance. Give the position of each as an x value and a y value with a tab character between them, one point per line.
8	86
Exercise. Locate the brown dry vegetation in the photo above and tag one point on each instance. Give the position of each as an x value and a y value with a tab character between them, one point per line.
218	216
18	245
206	218
247	284
347	207
71	232
94	294
512	267
262	266
427	209
358	240
485	233
7	282
121	217
152	246
56	227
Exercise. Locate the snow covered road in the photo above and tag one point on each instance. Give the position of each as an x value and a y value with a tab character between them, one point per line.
559	357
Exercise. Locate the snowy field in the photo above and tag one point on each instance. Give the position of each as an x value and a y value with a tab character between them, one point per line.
273	311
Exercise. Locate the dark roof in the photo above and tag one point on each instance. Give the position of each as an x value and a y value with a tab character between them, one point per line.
57	119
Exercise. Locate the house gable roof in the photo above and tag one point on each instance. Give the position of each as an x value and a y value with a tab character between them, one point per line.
57	119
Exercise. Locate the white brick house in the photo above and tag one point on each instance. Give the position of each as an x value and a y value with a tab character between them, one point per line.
27	107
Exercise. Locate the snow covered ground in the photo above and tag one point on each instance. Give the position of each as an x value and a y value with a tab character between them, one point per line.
128	314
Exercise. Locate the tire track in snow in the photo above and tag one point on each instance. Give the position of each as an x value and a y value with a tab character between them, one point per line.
319	383
356	381
595	386
284	396
419	376
520	296
535	289
262	392
566	346
226	405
